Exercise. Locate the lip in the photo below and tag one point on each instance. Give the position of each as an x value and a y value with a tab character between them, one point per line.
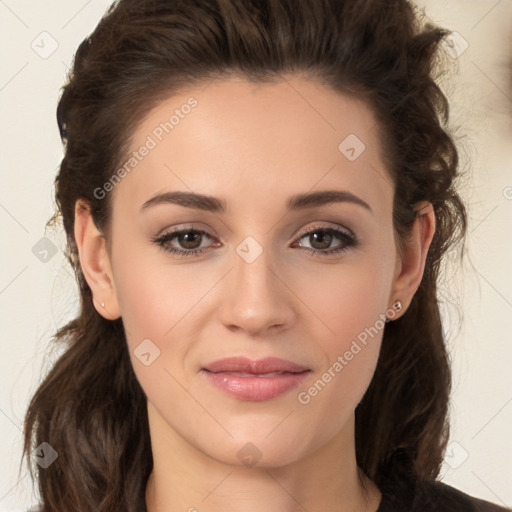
254	380
260	366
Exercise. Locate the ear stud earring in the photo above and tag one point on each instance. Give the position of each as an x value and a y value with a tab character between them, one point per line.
397	306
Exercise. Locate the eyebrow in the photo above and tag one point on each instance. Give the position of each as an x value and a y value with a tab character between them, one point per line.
215	205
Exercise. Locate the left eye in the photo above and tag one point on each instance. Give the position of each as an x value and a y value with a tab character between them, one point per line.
189	241
324	237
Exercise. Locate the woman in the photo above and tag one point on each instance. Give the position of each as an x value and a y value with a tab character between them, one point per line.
257	198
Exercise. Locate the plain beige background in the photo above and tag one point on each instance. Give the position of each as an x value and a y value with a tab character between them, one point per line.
38	39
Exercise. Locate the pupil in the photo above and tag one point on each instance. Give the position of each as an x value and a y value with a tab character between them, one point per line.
323	237
185	238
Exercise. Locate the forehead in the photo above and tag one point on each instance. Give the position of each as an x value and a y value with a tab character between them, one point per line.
260	140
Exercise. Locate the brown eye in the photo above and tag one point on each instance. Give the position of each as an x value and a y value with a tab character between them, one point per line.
322	238
189	240
183	242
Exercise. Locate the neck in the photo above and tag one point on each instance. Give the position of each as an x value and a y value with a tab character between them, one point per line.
187	479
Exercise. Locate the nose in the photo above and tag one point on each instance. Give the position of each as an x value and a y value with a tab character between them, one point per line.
256	299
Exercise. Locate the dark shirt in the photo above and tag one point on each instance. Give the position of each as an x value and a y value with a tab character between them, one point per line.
435	497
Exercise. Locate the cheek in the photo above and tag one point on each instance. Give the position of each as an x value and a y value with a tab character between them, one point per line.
157	304
165	304
332	394
345	299
348	305
153	296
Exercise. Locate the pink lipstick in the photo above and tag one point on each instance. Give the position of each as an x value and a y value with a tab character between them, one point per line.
252	380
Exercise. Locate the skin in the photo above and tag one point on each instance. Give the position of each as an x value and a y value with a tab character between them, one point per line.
254	146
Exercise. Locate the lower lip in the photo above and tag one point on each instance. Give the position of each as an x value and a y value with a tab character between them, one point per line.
255	388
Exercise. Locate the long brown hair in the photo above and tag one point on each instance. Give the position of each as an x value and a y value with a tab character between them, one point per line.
90	407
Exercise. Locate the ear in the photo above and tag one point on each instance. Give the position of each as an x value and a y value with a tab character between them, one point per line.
95	262
411	264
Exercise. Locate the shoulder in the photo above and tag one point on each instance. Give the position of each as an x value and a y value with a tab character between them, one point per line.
441	497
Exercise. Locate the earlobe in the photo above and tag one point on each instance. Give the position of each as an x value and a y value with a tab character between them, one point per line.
95	262
411	267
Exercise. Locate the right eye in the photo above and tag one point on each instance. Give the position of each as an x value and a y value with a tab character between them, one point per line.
189	240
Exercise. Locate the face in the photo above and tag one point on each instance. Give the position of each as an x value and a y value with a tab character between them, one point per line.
257	272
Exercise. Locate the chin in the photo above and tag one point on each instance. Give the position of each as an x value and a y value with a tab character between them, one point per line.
261	451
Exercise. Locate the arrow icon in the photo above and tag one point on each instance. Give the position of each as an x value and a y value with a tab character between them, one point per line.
44	250
44	45
351	147
249	249
147	352
249	454
45	455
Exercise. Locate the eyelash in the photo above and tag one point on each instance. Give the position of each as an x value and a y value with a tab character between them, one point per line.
350	241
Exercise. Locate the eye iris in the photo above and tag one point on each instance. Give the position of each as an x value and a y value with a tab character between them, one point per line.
324	238
184	239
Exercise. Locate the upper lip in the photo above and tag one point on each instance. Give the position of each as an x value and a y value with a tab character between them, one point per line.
260	366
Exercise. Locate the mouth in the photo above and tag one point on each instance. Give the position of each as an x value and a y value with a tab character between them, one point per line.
252	380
